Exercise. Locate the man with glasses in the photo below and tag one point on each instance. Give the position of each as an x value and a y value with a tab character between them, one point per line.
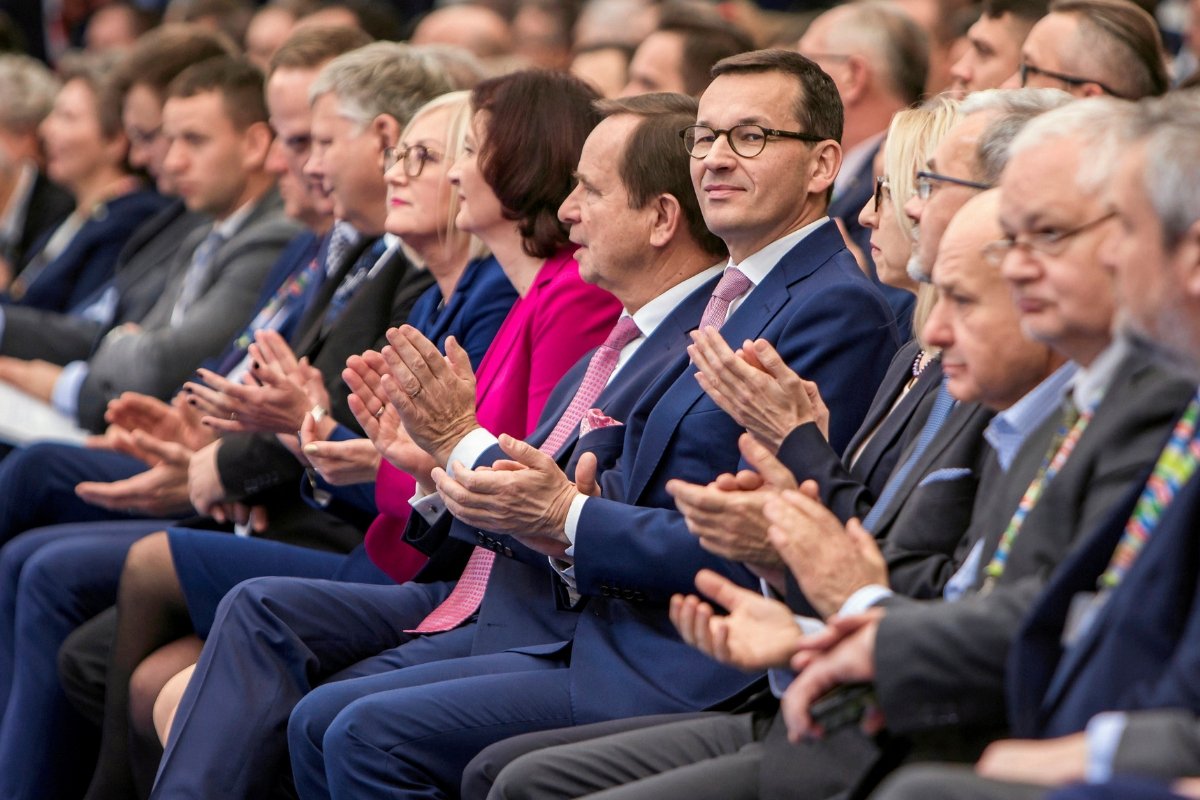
1095	47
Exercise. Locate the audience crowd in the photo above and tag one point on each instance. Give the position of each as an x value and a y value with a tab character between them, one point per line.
628	399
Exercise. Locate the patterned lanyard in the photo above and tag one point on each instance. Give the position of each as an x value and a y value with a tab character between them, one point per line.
1174	468
1060	449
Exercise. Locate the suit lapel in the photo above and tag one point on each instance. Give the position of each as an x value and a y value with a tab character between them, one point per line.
748	322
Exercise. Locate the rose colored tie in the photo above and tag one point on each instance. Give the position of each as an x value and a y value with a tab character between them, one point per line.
464	600
732	285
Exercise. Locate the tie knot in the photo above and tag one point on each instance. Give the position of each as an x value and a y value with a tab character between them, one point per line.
341	240
624	332
733	284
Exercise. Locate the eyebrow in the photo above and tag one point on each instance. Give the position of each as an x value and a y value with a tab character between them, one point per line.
754	120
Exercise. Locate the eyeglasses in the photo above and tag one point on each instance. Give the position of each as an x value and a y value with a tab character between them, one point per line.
746	141
414	157
1048	242
926	180
881	186
1025	70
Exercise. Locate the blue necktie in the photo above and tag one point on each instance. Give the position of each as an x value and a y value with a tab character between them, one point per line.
198	276
353	281
942	405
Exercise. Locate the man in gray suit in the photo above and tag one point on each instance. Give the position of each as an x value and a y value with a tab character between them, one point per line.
216	125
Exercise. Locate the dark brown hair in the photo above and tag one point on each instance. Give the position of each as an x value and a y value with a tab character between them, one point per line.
160	55
654	161
239	82
705	42
818	107
536	124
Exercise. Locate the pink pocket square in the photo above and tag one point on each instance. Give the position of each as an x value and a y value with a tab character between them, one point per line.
594	419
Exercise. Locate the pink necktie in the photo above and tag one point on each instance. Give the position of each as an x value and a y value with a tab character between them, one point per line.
467	594
732	285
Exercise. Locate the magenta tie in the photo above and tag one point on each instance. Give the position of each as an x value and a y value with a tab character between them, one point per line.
732	285
467	594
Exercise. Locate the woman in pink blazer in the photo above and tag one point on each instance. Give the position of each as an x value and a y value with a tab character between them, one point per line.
509	194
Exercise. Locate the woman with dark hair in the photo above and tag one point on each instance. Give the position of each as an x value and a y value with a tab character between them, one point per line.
86	153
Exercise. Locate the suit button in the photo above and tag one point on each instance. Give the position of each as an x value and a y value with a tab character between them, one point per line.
508	551
605	591
480	539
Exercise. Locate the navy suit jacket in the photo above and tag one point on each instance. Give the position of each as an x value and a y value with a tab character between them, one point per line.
1143	650
633	549
89	259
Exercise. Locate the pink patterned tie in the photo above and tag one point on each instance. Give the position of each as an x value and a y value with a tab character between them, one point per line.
731	286
464	600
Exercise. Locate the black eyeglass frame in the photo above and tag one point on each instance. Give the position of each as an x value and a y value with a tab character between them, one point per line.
1024	70
766	132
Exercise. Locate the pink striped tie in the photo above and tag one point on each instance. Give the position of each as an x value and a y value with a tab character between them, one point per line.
467	594
731	286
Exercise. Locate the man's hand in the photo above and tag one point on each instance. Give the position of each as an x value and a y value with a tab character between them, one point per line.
433	394
527	497
842	653
34	377
1046	762
275	405
727	514
755	386
204	482
161	491
829	561
758	633
340	463
177	421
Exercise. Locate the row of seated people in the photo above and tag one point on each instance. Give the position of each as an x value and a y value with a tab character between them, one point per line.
569	577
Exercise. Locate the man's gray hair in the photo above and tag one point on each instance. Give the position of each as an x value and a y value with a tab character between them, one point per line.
1093	125
1166	128
1014	109
28	89
381	78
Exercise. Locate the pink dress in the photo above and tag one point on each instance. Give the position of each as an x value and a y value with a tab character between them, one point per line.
549	329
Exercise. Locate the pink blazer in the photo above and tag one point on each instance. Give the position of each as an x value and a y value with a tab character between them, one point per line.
545	333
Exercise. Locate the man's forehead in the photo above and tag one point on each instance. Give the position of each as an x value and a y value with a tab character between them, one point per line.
743	98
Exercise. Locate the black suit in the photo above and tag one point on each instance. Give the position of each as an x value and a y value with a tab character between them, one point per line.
256	467
48	205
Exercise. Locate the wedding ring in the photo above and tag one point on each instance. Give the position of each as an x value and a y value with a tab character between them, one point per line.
379	413
417	392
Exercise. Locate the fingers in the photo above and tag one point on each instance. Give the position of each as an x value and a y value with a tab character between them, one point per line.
765	463
368	421
585	475
693	498
720	589
169	452
527	454
770	360
308	436
275	350
460	360
417	353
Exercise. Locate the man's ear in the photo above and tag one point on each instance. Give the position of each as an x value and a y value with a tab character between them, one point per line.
256	144
824	166
387	129
668	217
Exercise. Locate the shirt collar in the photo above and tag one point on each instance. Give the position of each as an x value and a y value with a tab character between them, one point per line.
1008	430
233	223
756	265
1092	381
651	315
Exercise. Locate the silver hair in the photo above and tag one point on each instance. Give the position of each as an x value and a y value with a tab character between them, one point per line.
1014	109
382	78
28	89
1090	123
889	38
1167	127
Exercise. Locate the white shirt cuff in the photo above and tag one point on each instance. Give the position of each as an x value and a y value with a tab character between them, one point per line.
471	447
1104	733
571	526
429	506
65	395
863	599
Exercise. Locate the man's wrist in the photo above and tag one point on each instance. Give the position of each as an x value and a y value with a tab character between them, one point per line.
443	448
